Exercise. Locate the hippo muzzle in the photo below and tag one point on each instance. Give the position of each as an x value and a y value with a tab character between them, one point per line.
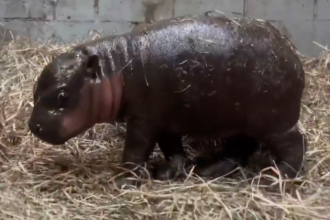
49	129
56	126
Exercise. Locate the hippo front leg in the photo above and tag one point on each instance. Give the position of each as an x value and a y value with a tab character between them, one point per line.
175	156
139	143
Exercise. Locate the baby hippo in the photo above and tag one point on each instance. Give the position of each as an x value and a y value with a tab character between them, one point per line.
197	75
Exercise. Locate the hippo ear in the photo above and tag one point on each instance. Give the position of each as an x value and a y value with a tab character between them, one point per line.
93	66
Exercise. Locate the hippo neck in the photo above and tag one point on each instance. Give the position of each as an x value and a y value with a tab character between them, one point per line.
119	60
116	55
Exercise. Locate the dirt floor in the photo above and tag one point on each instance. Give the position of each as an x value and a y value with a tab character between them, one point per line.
74	181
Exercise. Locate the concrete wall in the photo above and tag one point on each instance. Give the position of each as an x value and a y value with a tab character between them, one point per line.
303	21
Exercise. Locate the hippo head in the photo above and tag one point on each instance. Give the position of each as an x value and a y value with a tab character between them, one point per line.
72	94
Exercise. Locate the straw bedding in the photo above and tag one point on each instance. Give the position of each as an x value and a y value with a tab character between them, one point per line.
74	181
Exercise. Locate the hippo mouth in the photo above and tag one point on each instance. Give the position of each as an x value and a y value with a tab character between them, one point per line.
98	103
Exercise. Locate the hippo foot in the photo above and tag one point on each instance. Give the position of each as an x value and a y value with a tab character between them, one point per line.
123	182
130	179
289	149
268	185
221	167
177	167
218	164
205	159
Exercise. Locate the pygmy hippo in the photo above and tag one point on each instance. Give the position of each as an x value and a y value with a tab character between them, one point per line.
197	75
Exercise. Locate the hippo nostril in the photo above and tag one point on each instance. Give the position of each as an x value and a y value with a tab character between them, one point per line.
38	128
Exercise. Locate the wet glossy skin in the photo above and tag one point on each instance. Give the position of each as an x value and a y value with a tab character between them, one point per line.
202	76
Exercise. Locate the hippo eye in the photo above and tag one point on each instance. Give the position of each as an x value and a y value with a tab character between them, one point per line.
62	99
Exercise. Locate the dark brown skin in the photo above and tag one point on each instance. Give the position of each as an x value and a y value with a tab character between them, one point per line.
215	160
235	151
195	75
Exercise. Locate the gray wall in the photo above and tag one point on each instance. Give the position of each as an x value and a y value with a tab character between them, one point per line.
303	21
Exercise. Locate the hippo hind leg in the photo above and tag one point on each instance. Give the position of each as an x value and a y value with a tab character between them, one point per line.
288	148
236	151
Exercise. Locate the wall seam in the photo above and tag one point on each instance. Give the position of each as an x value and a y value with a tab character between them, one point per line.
244	3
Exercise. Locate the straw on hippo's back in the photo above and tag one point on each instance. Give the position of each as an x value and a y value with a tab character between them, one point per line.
197	75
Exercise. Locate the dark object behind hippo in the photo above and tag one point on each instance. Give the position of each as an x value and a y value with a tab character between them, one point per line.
199	75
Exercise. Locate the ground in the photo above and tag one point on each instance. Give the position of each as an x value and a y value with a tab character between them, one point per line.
74	181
